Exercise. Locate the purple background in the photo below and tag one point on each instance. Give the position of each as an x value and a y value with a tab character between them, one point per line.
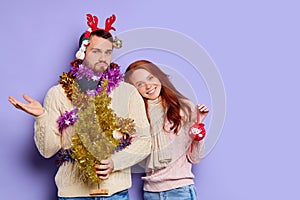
253	43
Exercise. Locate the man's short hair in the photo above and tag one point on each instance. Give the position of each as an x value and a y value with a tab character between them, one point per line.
100	33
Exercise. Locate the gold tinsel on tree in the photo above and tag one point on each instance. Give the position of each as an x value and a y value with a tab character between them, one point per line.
96	123
79	99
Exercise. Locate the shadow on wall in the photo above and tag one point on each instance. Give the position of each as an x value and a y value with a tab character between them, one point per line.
136	191
41	167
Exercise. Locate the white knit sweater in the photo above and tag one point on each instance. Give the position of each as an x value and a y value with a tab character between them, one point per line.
126	102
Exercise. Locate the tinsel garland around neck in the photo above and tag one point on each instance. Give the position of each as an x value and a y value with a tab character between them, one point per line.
79	71
95	123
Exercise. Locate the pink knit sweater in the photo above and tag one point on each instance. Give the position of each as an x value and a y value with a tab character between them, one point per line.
178	173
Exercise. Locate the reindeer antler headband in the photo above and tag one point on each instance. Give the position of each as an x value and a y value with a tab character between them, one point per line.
92	22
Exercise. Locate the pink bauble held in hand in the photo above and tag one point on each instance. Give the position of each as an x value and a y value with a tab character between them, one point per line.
197	131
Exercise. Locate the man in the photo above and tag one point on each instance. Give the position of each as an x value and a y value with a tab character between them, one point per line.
56	121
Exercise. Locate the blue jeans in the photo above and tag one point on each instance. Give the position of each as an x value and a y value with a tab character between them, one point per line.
183	193
123	195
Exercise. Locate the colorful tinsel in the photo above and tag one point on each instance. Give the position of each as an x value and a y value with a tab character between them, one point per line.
83	71
94	121
67	119
63	155
67	81
112	74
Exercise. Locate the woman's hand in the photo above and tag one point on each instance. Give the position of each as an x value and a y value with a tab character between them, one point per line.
33	107
203	111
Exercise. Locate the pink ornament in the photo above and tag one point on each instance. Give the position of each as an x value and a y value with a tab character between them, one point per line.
197	131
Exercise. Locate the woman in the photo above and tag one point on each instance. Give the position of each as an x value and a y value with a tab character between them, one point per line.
168	168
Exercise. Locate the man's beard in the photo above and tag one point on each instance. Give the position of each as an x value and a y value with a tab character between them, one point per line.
95	68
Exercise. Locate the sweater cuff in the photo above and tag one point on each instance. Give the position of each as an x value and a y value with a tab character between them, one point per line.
41	116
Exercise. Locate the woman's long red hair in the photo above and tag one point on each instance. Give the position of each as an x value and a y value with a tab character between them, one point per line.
172	99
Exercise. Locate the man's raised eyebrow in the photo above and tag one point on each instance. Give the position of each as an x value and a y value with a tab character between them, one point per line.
96	49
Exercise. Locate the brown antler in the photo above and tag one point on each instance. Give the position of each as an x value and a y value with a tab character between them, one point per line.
109	21
92	21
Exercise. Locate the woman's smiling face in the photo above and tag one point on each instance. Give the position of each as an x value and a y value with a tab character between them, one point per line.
146	83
